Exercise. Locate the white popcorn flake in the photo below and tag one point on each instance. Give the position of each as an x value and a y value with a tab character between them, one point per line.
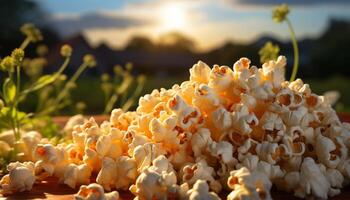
248	185
201	171
95	192
76	175
312	181
200	191
20	178
108	174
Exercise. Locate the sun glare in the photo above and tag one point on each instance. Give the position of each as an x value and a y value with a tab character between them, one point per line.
173	17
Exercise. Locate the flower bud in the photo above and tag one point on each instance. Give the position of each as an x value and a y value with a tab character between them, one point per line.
17	55
32	32
118	70
66	50
269	52
105	77
89	60
279	13
42	50
7	64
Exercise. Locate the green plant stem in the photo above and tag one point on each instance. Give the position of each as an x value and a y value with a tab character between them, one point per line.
63	66
65	89
295	49
131	100
111	103
18	88
25	43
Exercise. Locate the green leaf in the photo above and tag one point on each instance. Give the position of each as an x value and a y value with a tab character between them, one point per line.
9	90
41	82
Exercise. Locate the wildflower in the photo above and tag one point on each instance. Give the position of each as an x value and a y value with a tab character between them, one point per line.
129	66
89	60
32	32
105	77
269	52
42	50
17	55
80	106
7	64
66	50
118	69
34	67
279	13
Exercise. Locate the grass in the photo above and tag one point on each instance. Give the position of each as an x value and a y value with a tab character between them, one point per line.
88	90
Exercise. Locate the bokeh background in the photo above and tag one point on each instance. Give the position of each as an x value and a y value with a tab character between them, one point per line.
164	38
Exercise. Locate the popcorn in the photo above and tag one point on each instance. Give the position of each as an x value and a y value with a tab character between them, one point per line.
109	145
156	182
200	171
324	148
77	175
224	152
127	172
20	178
200	141
107	176
51	161
200	191
312	181
200	73
28	143
72	122
95	192
248	185
242	129
144	155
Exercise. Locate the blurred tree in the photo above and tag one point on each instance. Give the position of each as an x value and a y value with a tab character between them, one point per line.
330	54
139	43
13	14
175	41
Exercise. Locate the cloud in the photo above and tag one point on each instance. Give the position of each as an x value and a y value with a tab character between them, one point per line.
71	24
290	2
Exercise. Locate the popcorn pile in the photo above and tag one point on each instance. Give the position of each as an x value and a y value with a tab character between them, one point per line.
236	131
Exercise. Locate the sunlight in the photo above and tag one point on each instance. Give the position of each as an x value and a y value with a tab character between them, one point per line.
173	17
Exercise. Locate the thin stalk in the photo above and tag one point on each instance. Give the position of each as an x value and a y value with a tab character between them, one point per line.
18	88
131	100
111	103
295	49
25	43
73	79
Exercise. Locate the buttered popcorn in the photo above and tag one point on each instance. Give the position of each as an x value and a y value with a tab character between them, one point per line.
230	130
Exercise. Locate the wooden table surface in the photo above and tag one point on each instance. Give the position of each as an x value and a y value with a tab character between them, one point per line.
52	190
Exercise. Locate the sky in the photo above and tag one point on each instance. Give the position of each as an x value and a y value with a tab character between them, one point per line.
209	23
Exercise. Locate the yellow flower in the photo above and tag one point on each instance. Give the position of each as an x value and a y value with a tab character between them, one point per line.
105	77
279	13
66	50
17	55
269	52
89	60
32	32
7	64
118	70
42	50
80	106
